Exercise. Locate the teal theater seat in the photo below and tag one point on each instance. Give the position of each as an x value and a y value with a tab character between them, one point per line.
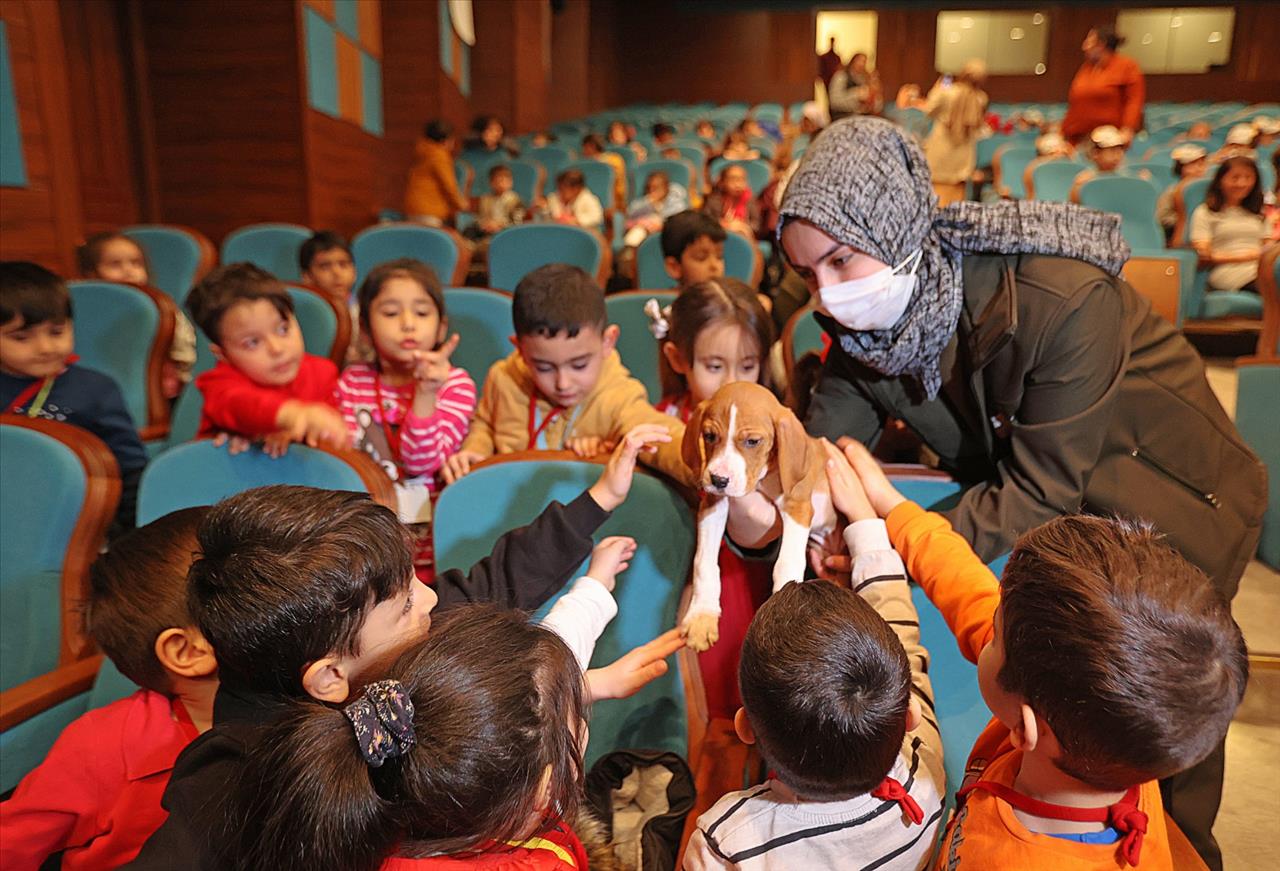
517	251
1013	159
1053	180
274	247
678	172
482	318
199	473
636	344
474	511
554	159
125	331
436	247
1134	200
177	257
61	489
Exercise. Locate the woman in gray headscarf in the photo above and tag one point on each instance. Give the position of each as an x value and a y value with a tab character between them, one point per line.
1002	335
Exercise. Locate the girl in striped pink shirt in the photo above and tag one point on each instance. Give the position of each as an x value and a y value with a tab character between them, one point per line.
411	408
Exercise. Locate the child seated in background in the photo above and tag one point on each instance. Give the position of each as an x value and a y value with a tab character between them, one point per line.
1190	162
39	376
1050	146
1106	150
265	386
704	129
1227	229
593	149
325	263
488	712
692	248
1108	660
310	593
96	796
410	408
115	257
714	333
836	692
732	204
573	204
498	209
662	199
738	147
1239	143
663	134
564	387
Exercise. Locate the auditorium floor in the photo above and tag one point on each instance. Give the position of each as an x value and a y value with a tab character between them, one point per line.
1246	826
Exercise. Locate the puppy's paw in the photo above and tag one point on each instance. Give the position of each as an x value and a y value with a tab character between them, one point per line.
700	629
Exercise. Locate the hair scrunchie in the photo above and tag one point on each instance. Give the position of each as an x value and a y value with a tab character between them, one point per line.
382	718
659	319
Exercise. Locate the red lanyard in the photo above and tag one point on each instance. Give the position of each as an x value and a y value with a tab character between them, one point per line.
533	411
392	432
1124	816
31	390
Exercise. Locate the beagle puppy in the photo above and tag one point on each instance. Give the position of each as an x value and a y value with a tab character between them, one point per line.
742	439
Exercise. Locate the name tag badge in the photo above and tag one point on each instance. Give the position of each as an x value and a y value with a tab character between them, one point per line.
414	501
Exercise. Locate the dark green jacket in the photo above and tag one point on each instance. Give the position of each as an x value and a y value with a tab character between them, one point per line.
1063	392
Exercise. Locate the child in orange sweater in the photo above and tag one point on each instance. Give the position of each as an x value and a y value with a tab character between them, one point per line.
1108	660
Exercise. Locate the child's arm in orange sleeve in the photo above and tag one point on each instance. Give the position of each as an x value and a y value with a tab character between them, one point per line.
951	574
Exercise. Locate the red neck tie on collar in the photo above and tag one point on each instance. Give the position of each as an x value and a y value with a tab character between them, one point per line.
1123	816
891	790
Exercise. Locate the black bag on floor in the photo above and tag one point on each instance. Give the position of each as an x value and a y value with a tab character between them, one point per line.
643	798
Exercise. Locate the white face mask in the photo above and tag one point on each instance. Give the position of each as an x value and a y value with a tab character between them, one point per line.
873	302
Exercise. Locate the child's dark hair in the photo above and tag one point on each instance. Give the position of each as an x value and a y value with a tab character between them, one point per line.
663	129
683	229
498	169
572	178
496	701
557	298
405	267
322	241
89	252
660	175
595	140
287	576
138	589
1252	202
1122	646
33	293
234	283
438	130
716	301
819	662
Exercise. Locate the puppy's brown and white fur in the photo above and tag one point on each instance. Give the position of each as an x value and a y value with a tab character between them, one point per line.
742	439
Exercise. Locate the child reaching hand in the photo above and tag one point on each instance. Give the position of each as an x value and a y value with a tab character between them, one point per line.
468	754
410	408
265	386
715	333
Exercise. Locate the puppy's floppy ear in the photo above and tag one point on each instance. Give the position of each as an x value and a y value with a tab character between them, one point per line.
793	454
691	446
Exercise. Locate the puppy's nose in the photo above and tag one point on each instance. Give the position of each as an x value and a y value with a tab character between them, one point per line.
719	482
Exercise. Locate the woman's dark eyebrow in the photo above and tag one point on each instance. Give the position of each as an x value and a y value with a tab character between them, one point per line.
832	250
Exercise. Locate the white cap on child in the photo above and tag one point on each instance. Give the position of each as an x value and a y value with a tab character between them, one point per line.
1267	125
1188	153
1241	134
1107	136
1051	143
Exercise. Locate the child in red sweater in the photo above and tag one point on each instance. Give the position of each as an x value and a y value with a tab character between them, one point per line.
265	386
1108	660
96	796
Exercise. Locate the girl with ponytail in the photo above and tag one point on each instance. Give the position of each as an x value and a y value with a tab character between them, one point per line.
469	755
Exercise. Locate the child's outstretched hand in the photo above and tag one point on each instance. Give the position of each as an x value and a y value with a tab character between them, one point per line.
629	673
313	423
431	368
881	493
590	446
846	489
459	465
615	482
610	558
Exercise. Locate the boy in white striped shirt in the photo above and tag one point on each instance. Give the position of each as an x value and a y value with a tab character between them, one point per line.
836	693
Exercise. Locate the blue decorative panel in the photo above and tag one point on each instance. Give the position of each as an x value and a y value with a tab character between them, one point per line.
371	75
13	168
322	63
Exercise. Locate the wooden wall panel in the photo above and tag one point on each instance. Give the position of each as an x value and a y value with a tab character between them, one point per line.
344	166
665	50
227	98
42	221
511	64
570	61
102	117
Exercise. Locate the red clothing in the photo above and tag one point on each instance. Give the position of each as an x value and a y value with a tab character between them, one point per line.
556	849
234	404
744	585
97	793
1112	92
